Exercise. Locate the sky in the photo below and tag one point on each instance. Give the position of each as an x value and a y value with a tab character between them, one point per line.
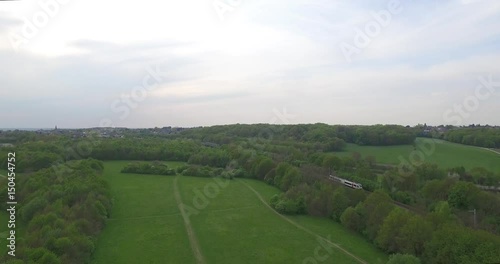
76	64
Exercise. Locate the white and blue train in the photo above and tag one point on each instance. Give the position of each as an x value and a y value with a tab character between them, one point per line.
347	183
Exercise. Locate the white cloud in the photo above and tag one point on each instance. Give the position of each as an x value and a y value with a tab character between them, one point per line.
264	55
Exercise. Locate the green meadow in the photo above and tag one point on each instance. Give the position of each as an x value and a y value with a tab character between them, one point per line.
145	224
226	219
443	153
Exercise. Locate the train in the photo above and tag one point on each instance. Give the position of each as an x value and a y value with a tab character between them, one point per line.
347	183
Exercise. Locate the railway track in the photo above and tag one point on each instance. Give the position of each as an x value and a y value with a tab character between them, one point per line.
339	181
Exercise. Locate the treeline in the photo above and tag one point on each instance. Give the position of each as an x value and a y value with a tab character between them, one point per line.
62	214
376	135
155	167
209	172
148	149
486	137
35	155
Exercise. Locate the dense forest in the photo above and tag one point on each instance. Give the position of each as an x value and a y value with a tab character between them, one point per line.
330	137
63	214
422	214
485	137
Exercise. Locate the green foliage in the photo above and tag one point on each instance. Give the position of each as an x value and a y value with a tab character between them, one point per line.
457	245
210	157
148	149
284	205
156	167
63	213
264	166
481	137
206	171
340	203
376	206
462	194
414	235
352	219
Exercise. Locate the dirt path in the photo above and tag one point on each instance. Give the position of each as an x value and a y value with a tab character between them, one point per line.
492	150
187	223
303	228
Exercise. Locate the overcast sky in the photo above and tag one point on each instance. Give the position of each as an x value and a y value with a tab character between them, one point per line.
76	63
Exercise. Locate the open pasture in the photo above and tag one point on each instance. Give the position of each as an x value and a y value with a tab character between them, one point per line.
227	220
443	153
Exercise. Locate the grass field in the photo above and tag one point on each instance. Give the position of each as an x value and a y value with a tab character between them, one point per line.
145	225
443	153
227	219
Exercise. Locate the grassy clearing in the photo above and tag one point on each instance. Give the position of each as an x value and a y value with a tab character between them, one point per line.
145	225
230	223
445	154
343	237
235	227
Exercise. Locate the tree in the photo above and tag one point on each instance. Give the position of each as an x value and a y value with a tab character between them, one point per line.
264	166
414	235
377	206
388	237
340	202
462	194
455	244
351	219
441	215
331	161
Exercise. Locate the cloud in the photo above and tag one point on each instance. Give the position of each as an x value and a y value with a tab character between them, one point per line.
265	55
